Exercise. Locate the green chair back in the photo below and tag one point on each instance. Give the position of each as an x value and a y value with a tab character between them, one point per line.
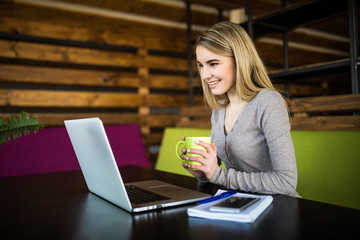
328	166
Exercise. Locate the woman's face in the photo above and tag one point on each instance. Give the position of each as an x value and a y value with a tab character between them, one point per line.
216	70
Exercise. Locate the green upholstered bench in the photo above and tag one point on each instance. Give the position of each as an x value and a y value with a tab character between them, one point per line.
328	166
328	163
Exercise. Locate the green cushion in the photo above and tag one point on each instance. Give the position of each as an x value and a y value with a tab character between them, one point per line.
167	160
328	166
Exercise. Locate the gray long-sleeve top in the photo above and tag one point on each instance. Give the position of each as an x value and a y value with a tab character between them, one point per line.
258	152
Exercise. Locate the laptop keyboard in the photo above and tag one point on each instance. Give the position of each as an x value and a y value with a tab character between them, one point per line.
138	195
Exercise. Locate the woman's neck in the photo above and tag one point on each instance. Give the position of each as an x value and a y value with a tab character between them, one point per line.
232	111
234	98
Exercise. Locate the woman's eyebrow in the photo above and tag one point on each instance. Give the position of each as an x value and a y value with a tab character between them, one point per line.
209	61
212	60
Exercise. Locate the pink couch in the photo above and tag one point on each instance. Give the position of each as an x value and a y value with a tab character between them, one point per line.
50	150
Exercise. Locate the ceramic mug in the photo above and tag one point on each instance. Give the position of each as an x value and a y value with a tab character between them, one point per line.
189	143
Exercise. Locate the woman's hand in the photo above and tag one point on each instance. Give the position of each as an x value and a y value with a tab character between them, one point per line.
208	160
197	174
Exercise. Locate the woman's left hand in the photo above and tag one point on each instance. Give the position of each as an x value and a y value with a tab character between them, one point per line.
208	160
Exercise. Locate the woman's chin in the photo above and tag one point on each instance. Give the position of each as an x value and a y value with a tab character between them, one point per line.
217	92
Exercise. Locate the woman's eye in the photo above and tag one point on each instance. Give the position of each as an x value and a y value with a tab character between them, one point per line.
213	64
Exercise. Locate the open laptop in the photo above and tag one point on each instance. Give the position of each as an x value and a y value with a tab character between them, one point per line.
103	178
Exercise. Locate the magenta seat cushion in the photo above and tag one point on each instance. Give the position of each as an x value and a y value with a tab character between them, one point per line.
50	150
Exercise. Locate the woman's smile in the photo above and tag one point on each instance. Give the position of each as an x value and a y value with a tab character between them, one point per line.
213	84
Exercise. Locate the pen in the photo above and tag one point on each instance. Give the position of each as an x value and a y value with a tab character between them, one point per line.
223	195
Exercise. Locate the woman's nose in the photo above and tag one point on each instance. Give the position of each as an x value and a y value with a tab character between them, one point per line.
205	73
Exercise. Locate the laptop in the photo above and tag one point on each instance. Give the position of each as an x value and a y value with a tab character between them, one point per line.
103	178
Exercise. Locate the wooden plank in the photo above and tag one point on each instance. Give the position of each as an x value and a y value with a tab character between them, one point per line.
45	52
166	45
297	90
197	81
168	63
161	120
199	100
99	22
196	111
3	97
116	16
326	103
168	82
198	116
167	101
63	76
164	11
60	31
348	123
44	98
197	123
57	119
7	8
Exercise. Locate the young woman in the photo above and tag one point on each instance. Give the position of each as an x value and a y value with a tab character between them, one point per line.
250	123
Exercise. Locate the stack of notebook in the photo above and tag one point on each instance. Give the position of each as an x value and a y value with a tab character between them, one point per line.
248	215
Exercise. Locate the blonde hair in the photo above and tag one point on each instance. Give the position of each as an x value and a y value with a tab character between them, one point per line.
231	40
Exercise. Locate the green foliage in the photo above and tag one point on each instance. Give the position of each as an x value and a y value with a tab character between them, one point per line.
18	125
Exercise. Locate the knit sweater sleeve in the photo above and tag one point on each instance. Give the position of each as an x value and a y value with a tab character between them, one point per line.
267	164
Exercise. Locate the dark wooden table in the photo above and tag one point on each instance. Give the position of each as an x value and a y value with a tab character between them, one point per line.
59	206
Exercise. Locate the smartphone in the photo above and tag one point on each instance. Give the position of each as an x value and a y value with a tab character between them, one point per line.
234	204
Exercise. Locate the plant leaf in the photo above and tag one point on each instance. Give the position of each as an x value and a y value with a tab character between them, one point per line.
18	125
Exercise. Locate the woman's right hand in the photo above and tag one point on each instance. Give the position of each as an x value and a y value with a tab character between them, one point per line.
207	160
195	173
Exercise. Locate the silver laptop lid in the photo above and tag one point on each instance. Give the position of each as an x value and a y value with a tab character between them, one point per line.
97	161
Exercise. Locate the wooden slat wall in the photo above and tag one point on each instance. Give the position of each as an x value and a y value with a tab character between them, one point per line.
340	112
337	112
59	69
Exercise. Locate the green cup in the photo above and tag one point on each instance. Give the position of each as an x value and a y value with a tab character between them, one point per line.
189	143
